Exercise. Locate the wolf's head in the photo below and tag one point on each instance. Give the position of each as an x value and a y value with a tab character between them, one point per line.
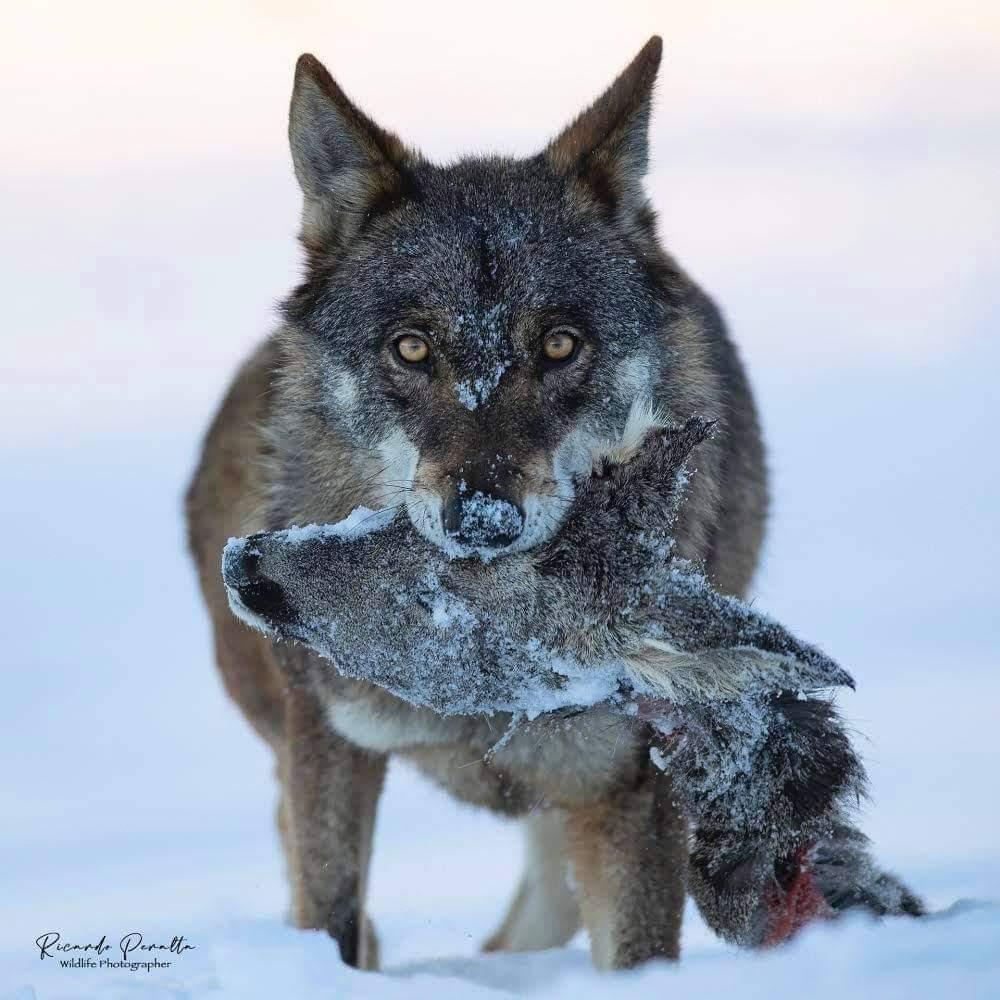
479	326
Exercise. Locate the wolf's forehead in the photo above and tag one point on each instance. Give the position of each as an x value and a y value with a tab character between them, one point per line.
483	273
473	258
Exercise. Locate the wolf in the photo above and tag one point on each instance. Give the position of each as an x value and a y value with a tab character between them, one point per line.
462	339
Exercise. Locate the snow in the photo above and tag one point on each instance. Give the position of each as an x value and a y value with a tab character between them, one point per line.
264	959
485	517
360	522
473	392
480	333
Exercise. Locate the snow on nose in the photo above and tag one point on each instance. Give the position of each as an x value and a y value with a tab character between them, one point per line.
481	519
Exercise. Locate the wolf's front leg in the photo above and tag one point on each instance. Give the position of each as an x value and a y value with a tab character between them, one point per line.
331	790
629	856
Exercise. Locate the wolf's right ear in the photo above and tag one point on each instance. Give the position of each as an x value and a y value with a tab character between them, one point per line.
607	146
346	165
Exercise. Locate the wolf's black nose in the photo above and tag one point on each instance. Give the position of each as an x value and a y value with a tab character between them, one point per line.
241	572
482	520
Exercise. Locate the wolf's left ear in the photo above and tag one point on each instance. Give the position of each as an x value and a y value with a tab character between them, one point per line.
607	146
345	164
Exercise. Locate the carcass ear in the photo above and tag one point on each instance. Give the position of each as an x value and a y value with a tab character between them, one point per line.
725	673
607	146
708	645
346	165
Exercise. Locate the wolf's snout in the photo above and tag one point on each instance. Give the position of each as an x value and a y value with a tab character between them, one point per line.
241	571
482	520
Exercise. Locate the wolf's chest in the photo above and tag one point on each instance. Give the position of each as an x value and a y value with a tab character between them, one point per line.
382	723
561	759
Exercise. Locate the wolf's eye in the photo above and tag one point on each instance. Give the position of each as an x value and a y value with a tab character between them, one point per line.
412	349
560	344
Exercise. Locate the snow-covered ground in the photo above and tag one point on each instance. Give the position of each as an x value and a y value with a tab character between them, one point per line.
850	231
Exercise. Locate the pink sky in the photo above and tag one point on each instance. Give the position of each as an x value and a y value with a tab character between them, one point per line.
829	172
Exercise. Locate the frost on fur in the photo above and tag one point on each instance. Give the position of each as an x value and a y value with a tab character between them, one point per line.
730	703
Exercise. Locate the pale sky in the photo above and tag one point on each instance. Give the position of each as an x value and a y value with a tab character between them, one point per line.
829	172
99	82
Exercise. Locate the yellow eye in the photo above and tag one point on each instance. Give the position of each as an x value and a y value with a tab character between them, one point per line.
412	349
559	345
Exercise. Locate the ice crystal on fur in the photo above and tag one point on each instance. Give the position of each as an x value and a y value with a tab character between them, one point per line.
359	522
473	392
